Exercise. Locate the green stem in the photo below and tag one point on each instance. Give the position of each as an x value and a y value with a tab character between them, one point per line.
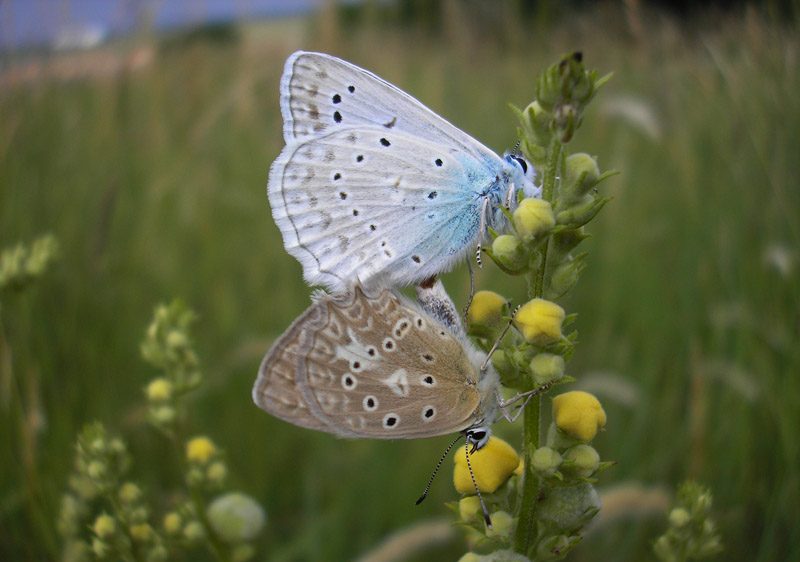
180	437
530	485
548	190
524	536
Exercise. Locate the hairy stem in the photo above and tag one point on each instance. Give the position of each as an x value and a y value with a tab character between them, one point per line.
524	535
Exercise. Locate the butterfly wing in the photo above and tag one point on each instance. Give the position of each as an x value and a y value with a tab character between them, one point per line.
320	93
373	186
364	204
369	367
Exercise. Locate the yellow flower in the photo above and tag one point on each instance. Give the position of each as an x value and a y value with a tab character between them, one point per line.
578	414
540	321
172	523
582	459
200	449
141	532
492	466
502	524
104	526
546	460
507	249
159	390
532	218
679	517
129	492
194	531
469	507
486	309
547	367
217	472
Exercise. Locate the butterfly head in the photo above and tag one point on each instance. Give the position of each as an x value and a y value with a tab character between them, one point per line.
477	436
523	174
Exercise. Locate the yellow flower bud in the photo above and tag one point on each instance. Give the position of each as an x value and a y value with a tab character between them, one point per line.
96	469
547	367
540	321
532	218
104	526
545	460
163	414
582	174
158	553
582	460
502	524
100	548
194	531
507	250
176	339
141	532
578	414
217	472
129	492
172	523
485	312
468	508
200	449
492	466
159	390
679	517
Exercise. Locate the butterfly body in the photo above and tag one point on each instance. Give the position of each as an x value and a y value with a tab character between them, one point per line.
373	187
375	366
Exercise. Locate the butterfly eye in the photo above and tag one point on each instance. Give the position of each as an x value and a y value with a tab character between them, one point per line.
522	164
478	435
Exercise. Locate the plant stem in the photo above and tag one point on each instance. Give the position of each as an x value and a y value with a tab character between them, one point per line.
524	536
548	190
530	486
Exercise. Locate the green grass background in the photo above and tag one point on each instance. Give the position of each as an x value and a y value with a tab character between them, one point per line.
153	180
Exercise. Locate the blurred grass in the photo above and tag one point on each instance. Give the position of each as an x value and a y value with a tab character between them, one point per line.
153	179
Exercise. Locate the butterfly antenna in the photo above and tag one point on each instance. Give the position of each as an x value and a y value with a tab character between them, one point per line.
499	339
515	151
436	470
486	517
471	291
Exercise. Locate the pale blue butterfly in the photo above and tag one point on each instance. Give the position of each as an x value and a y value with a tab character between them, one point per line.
372	186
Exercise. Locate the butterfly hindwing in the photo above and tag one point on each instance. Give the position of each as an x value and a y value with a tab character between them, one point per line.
276	390
376	367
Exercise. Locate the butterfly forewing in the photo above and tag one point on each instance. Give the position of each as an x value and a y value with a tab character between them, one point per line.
320	93
364	203
378	368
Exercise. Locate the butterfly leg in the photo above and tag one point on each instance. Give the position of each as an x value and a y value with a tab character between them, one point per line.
471	292
509	195
482	230
499	339
434	300
524	397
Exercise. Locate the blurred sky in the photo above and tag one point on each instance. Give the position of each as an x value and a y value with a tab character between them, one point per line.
43	22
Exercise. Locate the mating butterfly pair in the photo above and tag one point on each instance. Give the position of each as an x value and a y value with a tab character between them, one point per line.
374	190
